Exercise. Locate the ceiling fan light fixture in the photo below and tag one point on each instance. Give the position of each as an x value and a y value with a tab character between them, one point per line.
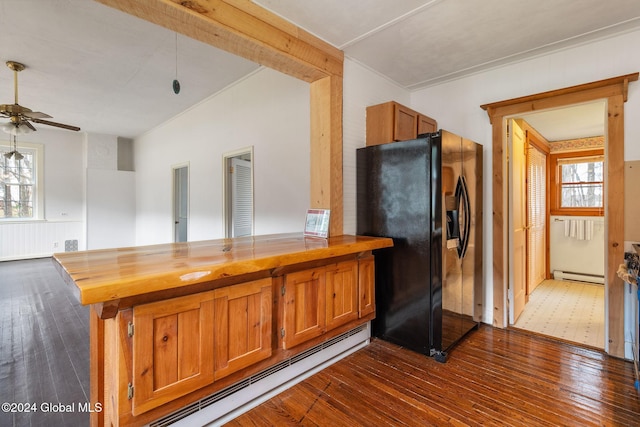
15	128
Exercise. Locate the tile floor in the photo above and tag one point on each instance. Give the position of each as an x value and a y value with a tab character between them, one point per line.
572	311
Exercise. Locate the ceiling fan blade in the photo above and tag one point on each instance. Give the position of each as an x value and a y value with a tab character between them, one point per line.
29	125
59	125
36	115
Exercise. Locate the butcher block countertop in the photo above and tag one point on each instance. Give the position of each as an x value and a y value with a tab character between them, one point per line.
110	275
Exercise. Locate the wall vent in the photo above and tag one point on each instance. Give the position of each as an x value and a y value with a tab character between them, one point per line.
70	245
229	391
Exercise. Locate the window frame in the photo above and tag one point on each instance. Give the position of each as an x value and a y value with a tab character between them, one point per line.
37	150
555	190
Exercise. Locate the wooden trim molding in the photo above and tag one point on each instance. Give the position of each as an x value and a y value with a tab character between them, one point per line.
614	91
247	30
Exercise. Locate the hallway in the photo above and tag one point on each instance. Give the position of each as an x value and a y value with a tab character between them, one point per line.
571	311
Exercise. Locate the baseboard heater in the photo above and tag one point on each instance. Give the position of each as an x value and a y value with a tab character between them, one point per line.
578	277
229	403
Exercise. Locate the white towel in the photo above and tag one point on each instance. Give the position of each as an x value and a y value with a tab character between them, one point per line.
588	229
571	228
579	229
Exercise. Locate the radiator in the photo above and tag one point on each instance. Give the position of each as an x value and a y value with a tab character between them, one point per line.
568	275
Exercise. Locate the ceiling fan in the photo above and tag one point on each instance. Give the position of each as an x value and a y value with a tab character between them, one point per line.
20	117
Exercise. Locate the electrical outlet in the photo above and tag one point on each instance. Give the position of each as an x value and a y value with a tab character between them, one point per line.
55	245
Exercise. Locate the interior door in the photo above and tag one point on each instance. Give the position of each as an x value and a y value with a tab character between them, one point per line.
537	213
180	203
518	214
241	197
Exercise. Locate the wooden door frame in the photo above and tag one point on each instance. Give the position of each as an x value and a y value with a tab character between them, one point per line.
614	92
249	31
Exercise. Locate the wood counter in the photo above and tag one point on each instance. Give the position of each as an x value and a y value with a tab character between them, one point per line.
166	319
147	273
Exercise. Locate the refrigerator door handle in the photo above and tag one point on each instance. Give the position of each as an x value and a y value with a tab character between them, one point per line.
462	194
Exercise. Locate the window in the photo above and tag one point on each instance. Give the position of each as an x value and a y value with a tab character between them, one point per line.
578	181
19	180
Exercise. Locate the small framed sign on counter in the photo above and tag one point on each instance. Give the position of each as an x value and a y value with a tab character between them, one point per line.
317	223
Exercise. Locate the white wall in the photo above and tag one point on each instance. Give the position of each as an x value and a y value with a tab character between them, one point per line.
267	110
111	203
63	212
456	104
572	255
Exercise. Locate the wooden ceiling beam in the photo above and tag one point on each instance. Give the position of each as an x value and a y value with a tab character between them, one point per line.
244	29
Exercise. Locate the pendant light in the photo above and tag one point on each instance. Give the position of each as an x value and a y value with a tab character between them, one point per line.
176	83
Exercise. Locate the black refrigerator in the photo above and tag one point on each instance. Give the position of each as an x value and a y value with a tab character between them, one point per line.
425	194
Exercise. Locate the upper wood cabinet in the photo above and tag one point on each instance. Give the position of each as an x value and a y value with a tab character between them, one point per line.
172	349
426	124
390	121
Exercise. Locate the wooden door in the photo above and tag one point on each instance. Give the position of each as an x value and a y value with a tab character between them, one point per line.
172	349
518	191
537	216
366	286
242	325
304	306
341	283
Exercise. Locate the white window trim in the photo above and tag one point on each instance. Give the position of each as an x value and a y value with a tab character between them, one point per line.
38	202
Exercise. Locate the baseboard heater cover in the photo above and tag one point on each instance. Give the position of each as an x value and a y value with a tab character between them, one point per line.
579	277
229	403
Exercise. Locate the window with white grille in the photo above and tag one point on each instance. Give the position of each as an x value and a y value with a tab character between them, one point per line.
19	177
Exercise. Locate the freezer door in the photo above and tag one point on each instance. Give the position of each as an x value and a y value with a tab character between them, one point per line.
394	199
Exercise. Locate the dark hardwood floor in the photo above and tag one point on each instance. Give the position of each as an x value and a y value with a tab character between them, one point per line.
493	377
44	345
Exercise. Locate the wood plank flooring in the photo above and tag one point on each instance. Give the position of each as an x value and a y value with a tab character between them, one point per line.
44	345
493	377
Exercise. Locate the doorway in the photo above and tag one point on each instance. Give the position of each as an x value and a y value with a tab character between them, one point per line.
180	202
561	291
238	193
614	91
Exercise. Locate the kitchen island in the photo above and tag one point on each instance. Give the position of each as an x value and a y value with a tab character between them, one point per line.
174	323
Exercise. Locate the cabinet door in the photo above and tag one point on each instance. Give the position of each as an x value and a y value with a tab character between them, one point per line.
342	293
366	286
405	123
426	124
242	325
304	306
172	349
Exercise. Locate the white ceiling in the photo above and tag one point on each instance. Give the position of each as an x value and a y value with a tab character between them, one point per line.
108	72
